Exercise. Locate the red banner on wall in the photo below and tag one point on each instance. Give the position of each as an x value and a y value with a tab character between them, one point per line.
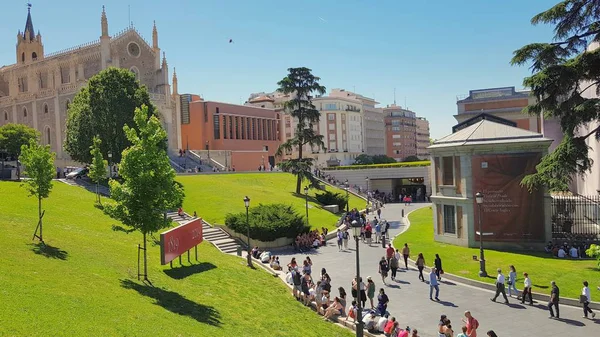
179	240
509	210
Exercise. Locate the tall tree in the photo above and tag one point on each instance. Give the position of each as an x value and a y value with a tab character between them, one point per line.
301	84
98	167
13	137
562	71
148	188
39	168
103	108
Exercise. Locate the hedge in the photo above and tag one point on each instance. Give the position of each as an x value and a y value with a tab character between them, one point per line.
330	198
268	222
422	163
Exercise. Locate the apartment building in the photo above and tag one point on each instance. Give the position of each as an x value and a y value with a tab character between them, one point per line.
422	138
400	132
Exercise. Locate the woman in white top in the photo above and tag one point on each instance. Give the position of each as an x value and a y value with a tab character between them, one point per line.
512	279
526	289
586	298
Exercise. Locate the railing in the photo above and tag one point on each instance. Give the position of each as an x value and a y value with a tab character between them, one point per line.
68	50
68	87
576	217
5	100
26	96
45	92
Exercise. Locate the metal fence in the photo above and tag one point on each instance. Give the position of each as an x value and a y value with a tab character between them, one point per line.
576	217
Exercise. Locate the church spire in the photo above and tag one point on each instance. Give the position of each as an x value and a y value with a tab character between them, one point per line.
164	61
29	31
174	82
154	37
104	23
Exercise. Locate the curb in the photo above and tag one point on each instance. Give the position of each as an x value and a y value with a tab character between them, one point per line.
488	286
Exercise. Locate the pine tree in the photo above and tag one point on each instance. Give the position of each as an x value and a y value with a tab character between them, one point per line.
562	72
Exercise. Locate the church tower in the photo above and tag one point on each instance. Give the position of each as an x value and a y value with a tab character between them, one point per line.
105	58
29	45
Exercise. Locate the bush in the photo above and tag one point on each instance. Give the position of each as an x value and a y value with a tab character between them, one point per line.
330	198
422	163
268	222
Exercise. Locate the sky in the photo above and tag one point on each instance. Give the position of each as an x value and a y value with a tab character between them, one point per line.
430	52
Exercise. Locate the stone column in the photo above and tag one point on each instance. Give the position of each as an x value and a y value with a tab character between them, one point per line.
35	114
57	128
14	112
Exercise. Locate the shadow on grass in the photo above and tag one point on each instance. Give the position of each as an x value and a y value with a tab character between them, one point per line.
176	303
185	271
541	287
49	251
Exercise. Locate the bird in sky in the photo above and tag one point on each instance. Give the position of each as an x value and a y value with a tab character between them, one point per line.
230	40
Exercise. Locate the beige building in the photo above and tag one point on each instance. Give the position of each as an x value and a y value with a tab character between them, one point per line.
39	87
422	138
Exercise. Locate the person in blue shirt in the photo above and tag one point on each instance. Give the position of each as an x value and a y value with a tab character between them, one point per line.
433	284
377	231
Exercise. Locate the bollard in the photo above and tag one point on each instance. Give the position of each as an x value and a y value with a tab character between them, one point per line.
239	250
403	212
383	241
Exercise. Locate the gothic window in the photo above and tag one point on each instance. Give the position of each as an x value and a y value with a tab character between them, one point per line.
34	56
6	116
48	136
135	72
45	108
24	112
23	57
133	49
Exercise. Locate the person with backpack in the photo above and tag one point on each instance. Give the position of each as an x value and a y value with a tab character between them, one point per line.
297	282
345	237
383	268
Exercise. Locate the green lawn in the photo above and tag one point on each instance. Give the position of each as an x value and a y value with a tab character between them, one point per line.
568	274
214	195
85	284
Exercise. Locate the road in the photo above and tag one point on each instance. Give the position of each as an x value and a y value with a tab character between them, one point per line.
409	297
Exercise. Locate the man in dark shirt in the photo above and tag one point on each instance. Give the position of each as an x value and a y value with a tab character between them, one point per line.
554	297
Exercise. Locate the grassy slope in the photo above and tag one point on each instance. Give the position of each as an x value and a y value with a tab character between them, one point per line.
568	274
93	291
214	195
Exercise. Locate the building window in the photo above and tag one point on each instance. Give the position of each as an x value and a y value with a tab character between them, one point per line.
395	128
67	105
24	112
33	56
242	128
396	136
224	127
248	129
331	117
254	128
5	116
237	128
332	136
230	123
45	108
330	106
449	219
136	72
331	126
216	127
448	171
133	49
48	138
23	57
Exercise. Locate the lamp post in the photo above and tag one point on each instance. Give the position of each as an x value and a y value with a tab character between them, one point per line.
347	187
110	174
482	272
356	227
368	198
306	198
249	256
208	150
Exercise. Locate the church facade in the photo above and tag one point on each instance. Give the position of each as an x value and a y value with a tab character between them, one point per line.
38	89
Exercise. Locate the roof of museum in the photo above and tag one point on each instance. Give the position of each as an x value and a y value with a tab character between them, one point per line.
488	132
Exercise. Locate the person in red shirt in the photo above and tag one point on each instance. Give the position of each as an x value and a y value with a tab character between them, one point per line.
389	252
471	323
390	326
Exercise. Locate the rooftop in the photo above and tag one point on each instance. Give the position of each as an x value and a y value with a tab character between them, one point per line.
493	94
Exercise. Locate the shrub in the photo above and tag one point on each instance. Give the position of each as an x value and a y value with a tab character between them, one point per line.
594	251
365	167
330	198
268	222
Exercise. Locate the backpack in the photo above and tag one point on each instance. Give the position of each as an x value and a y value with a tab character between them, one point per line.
345	235
296	278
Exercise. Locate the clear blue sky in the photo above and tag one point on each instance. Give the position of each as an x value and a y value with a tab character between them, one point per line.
430	51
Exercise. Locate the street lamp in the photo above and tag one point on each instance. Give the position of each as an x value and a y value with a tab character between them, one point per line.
249	256
482	272
368	198
110	173
208	150
347	187
306	198
356	227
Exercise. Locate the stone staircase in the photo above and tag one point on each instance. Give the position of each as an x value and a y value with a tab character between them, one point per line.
218	237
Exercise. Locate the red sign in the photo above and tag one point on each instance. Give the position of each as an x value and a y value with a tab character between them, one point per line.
179	240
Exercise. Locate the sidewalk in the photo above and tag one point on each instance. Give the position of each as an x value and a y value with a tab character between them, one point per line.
409	298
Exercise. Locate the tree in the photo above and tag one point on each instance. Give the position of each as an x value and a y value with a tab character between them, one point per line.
301	84
562	71
149	188
13	137
103	108
383	159
411	158
363	159
39	168
98	167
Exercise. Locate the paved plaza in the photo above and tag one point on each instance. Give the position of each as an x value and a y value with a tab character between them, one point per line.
409	298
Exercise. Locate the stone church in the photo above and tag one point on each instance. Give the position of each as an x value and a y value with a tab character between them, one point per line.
39	87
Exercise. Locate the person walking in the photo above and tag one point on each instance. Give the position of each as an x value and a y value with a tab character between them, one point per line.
500	288
586	298
471	324
433	284
377	231
554	298
340	239
379	213
383	269
382	302
345	237
438	267
394	266
370	291
389	253
526	289
420	265
405	254
512	280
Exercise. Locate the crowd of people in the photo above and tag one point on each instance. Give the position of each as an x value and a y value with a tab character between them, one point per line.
311	240
572	250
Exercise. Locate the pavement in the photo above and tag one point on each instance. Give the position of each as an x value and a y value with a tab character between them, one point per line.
409	297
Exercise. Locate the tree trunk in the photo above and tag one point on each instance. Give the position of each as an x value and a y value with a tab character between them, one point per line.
299	177
145	260
40	218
